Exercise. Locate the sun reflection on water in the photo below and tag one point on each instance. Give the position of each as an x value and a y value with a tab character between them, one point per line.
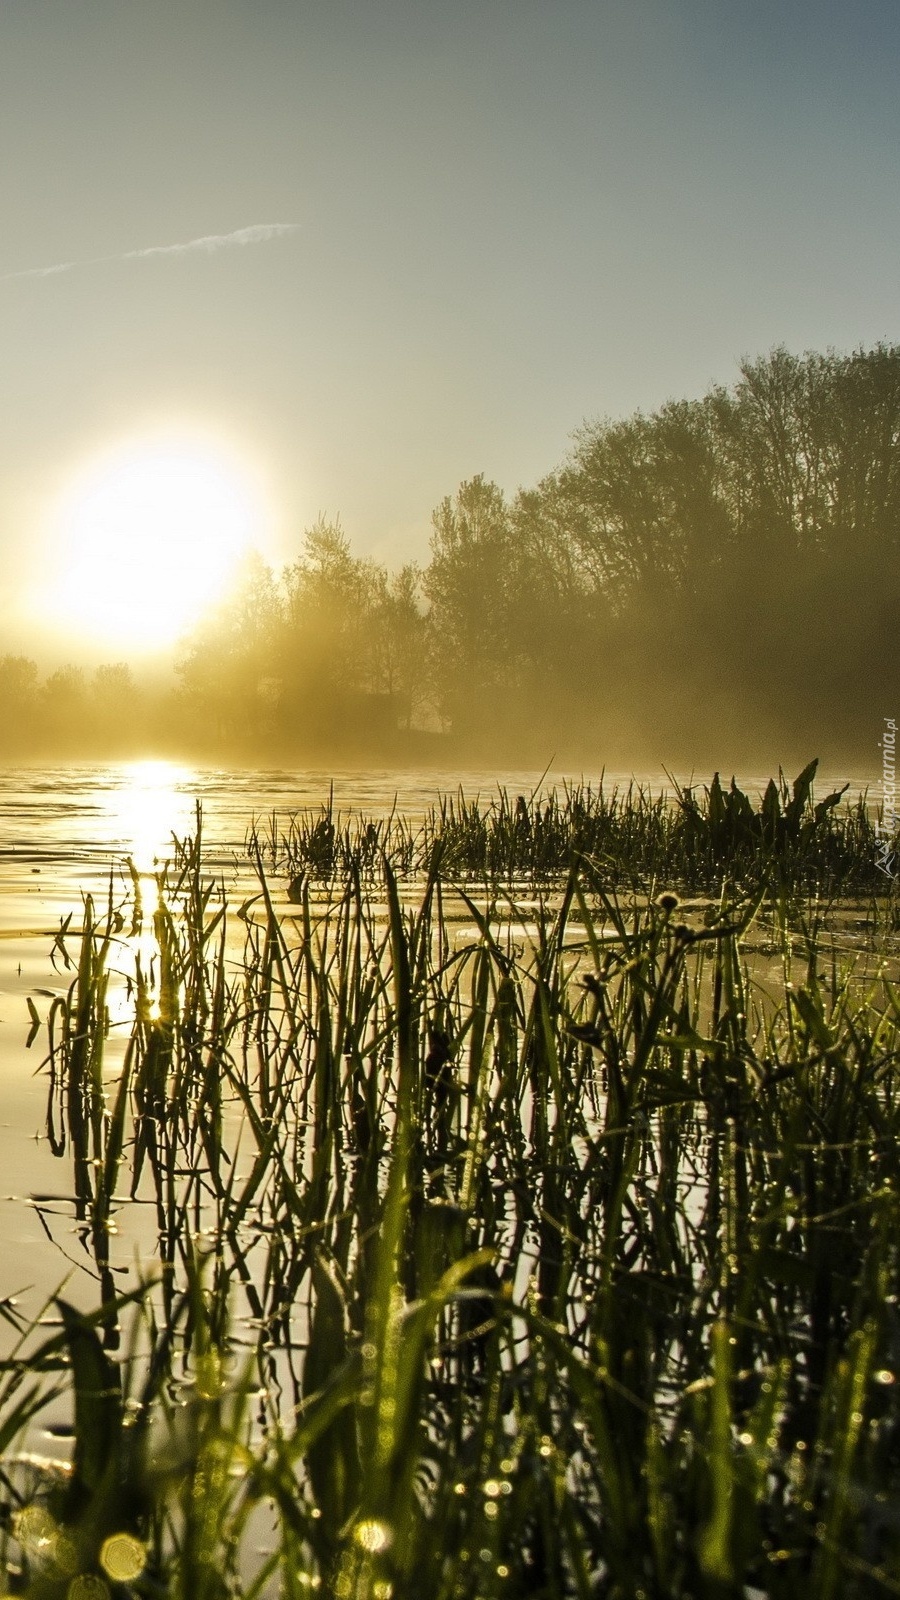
151	803
146	803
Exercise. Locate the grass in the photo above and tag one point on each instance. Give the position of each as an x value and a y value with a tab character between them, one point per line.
486	1267
693	839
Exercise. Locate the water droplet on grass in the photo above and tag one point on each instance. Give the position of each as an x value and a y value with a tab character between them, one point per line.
373	1536
123	1557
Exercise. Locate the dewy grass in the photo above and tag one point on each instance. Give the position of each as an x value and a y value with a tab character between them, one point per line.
485	1268
698	837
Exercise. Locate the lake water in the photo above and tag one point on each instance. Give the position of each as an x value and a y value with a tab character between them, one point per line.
62	828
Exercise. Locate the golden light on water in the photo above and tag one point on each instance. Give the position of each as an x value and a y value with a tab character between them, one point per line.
146	539
150	804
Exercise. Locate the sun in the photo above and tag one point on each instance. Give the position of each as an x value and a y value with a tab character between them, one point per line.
147	540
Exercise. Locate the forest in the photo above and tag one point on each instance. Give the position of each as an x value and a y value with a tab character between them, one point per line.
716	579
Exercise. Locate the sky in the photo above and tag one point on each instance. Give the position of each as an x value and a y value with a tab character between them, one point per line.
444	234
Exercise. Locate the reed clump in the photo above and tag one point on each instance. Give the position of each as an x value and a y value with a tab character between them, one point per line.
484	1267
696	837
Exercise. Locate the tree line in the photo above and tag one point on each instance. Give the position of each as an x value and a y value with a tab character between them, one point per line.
719	575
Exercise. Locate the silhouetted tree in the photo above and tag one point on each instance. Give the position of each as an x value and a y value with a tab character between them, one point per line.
228	668
468	585
732	560
400	642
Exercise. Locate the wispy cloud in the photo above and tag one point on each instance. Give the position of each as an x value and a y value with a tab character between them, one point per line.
208	244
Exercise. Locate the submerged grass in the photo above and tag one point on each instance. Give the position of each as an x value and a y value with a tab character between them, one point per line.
484	1269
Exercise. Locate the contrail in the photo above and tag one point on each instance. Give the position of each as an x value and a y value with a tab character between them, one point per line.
209	243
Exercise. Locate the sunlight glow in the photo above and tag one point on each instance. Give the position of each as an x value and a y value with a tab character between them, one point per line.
145	802
147	540
150	804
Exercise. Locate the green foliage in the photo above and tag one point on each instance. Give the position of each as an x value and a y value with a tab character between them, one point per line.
705	838
490	1264
788	831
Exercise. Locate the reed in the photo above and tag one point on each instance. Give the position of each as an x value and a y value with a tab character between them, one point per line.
697	837
486	1266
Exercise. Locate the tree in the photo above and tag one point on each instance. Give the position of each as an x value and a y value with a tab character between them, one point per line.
648	504
400	638
328	597
228	669
65	706
469	587
18	700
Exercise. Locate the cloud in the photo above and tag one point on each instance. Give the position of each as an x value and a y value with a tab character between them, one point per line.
259	233
208	244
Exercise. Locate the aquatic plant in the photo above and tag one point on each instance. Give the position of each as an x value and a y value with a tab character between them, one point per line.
487	1266
697	837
